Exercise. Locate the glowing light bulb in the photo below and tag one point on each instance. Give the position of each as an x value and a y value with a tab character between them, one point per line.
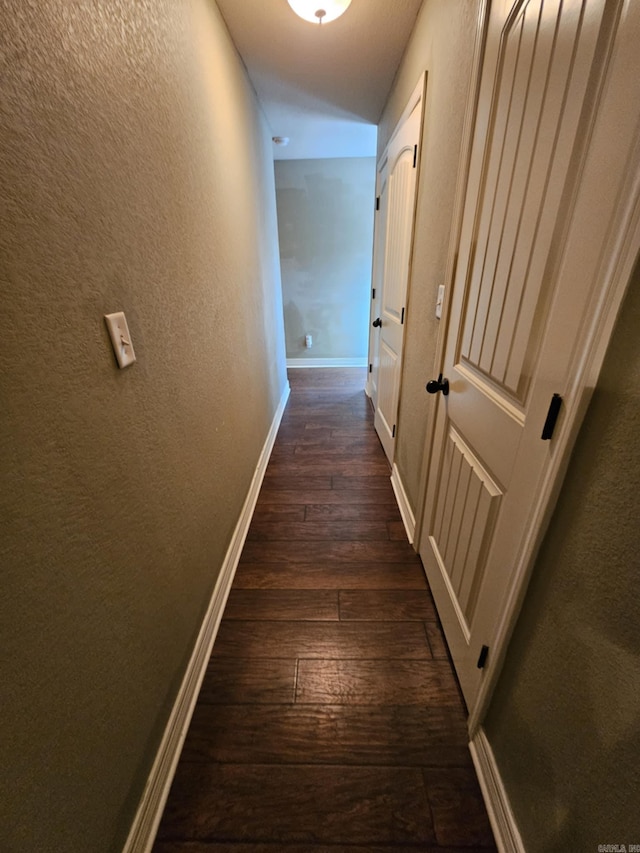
319	11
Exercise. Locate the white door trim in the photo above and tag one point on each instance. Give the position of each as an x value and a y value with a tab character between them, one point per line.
454	240
416	96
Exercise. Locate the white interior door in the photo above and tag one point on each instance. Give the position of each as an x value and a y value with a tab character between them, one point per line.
520	304
400	165
379	239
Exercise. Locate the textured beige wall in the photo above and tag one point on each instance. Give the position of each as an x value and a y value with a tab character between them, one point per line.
136	175
564	723
325	222
442	43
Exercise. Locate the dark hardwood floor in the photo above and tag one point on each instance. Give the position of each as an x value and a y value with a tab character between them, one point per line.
330	718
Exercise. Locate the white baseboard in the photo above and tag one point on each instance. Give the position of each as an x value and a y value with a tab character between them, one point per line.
154	797
326	362
503	822
403	504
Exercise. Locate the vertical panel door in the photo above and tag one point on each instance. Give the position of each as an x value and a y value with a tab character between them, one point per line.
519	305
401	166
379	240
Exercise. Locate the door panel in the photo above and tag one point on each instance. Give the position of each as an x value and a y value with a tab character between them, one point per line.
543	63
402	171
466	513
546	62
388	388
401	195
380	234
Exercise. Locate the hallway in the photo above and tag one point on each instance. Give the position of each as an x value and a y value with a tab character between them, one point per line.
329	717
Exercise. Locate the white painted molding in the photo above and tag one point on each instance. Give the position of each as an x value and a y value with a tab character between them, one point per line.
154	797
418	94
464	161
404	506
326	362
503	822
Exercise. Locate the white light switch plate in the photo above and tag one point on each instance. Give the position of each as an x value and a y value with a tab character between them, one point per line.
120	338
439	301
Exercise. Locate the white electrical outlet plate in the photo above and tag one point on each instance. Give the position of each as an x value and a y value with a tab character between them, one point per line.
439	301
120	338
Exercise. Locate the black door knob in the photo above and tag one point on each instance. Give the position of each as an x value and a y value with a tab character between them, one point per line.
439	384
377	323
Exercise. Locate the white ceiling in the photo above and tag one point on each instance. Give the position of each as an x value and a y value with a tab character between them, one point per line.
322	86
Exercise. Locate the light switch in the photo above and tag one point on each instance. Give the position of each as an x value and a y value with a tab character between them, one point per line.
439	301
120	338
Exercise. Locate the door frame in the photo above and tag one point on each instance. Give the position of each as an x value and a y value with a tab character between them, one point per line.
418	97
609	284
468	130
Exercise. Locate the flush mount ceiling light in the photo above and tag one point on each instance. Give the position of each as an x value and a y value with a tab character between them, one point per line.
319	11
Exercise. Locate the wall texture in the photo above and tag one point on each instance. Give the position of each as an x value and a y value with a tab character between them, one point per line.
135	175
325	222
442	43
563	723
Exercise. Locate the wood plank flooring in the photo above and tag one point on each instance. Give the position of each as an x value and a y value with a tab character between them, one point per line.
330	718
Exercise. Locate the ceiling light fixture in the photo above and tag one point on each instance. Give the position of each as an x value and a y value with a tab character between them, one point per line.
319	11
